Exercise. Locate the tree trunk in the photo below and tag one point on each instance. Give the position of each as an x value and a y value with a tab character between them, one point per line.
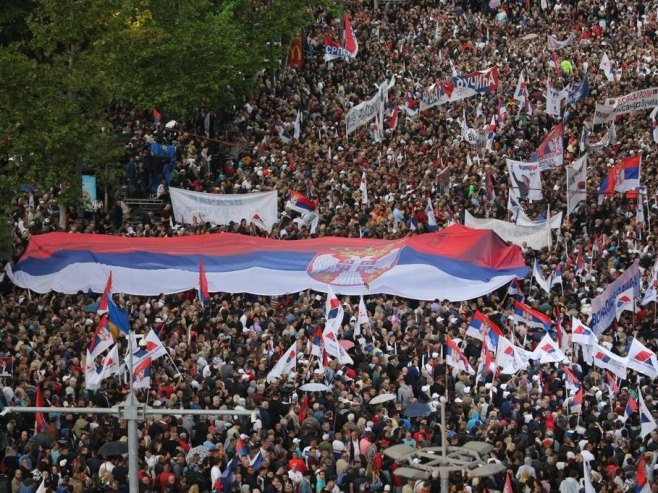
62	217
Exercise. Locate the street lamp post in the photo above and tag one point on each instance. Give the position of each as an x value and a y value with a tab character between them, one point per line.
439	462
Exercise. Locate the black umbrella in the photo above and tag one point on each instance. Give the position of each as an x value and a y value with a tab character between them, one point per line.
417	409
111	449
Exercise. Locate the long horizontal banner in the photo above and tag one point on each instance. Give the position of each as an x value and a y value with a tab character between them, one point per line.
536	237
224	208
644	99
457	263
460	87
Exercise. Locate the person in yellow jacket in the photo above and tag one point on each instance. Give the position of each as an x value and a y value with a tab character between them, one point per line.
566	67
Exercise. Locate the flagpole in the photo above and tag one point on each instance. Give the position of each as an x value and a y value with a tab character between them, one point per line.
133	450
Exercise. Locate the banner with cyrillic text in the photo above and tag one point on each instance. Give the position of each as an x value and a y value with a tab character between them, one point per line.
460	87
644	99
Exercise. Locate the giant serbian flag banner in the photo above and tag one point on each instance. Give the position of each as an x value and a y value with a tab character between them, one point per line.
223	208
460	87
457	263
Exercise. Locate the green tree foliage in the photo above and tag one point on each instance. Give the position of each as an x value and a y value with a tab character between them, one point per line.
68	61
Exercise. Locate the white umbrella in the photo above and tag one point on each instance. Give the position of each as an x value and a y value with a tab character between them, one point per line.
171	124
314	387
381	398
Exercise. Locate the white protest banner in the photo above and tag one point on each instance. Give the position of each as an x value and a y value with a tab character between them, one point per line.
460	87
554	223
525	179
576	183
603	306
554	99
609	137
644	99
364	112
603	114
223	208
554	44
533	236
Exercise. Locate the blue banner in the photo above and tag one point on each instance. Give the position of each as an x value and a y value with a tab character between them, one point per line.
88	192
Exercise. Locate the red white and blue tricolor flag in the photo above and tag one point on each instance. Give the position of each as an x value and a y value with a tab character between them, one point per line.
299	202
102	338
613	386
456	263
102	304
572	381
456	358
631	407
577	402
482	327
530	317
622	177
241	447
142	374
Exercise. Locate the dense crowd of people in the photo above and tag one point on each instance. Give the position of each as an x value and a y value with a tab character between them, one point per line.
334	441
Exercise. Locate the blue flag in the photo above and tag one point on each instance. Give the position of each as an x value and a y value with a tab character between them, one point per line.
578	92
117	319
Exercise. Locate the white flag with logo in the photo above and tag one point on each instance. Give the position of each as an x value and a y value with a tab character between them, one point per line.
609	361
652	288
606	66
642	359
285	365
647	423
625	301
361	317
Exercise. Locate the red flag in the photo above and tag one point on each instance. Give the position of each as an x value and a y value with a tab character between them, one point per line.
393	120
40	423
351	43
303	408
102	305
156	115
204	295
508	484
612	382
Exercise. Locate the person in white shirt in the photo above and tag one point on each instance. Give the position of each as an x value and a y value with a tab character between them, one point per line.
295	475
215	473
